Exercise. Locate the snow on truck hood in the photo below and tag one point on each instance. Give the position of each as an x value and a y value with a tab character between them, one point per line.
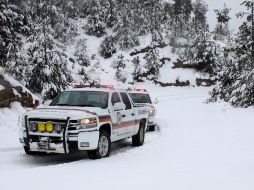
62	112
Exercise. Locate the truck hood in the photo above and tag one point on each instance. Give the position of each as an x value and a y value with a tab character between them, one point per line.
144	104
62	112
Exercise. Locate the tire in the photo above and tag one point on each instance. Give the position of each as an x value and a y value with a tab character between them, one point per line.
138	139
151	128
104	147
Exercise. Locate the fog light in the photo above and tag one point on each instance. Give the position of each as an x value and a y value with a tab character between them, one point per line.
49	127
41	127
33	126
84	144
58	128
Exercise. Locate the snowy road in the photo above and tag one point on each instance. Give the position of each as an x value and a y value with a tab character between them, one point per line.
198	147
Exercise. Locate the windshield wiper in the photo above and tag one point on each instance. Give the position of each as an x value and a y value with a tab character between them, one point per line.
59	104
86	105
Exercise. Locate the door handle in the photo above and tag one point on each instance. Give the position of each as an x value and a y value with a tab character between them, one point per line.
123	115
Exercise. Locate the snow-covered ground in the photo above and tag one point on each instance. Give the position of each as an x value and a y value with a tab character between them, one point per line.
196	147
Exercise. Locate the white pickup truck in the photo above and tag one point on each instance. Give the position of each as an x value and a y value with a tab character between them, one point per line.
142	98
84	118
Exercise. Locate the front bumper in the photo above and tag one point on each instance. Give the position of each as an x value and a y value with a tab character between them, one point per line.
81	140
151	120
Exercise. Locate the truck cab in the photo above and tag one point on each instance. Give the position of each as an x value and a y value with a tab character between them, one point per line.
84	118
141	97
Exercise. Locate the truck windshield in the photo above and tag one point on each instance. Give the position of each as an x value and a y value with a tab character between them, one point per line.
82	99
139	98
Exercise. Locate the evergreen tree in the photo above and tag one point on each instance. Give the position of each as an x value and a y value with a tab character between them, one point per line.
110	7
152	62
46	72
200	9
137	73
84	76
222	30
237	75
204	52
13	24
96	19
119	66
80	53
126	35
108	47
182	10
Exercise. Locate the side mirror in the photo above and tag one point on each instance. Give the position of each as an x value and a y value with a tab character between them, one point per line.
119	106
155	101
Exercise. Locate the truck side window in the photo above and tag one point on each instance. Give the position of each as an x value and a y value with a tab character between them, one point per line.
126	100
115	98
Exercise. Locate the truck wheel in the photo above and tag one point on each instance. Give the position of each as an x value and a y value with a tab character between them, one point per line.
151	128
138	139
104	147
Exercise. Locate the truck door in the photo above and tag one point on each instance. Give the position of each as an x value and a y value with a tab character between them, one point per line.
128	115
118	131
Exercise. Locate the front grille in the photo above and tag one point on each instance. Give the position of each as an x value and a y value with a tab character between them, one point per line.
73	125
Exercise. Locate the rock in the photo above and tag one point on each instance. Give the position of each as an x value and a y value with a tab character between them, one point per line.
10	94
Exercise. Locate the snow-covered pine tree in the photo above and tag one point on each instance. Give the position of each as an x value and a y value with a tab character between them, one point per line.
152	64
46	72
236	78
110	7
178	18
203	52
84	76
222	29
108	48
155	20
137	72
200	8
140	16
13	24
46	69
126	35
187	10
182	10
96	18
81	54
119	65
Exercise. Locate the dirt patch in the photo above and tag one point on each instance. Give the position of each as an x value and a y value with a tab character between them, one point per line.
196	66
177	83
205	82
146	49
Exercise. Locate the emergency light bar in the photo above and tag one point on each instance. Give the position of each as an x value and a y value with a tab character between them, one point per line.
76	85
141	90
137	89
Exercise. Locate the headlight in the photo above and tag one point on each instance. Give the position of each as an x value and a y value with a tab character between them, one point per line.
58	128
152	111
33	126
87	123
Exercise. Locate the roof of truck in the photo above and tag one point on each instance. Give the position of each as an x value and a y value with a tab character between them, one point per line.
96	89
